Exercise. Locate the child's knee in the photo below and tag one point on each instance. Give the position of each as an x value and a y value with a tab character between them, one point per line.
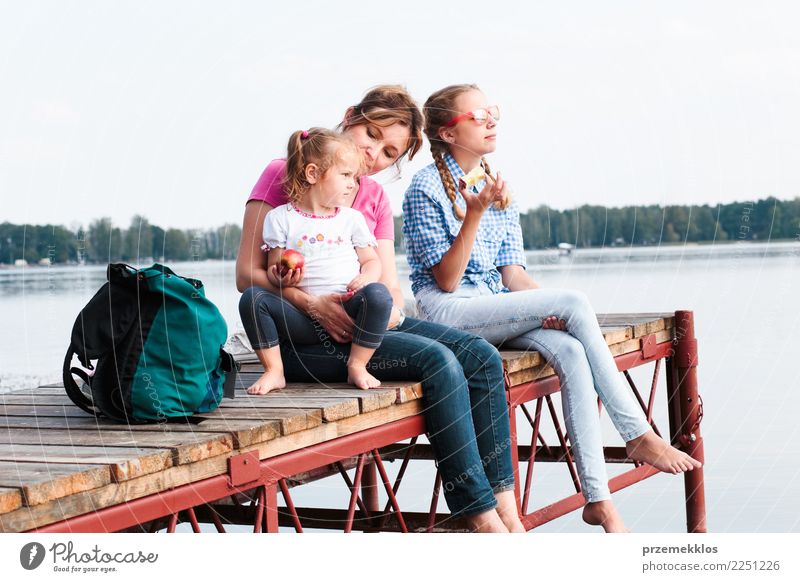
377	296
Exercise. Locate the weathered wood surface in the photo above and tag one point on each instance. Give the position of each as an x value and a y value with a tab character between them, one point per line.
57	461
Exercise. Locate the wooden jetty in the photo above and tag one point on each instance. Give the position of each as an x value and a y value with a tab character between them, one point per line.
62	470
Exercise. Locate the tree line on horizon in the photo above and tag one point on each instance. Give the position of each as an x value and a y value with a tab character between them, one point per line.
103	242
599	226
542	228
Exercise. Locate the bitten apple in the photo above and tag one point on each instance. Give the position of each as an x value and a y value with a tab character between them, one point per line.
469	180
291	259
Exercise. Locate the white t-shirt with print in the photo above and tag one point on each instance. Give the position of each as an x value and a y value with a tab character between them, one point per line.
326	242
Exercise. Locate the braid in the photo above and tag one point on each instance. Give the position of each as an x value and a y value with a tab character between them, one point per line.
502	204
449	185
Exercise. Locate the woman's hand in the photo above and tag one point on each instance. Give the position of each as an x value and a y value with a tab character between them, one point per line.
553	322
494	191
328	311
291	278
394	318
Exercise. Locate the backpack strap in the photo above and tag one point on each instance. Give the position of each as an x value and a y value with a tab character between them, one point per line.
74	392
231	369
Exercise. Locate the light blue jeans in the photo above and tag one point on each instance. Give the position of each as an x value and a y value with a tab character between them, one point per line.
580	357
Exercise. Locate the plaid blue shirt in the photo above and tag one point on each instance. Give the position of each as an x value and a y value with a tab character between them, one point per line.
430	227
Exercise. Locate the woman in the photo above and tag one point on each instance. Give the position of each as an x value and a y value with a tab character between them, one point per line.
465	408
468	271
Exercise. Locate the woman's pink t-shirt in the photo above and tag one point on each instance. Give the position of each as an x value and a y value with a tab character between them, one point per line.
371	199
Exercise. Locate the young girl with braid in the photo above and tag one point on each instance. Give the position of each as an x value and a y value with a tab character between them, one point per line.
464	246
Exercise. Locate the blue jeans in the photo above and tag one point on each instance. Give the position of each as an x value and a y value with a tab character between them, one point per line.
267	318
580	357
464	401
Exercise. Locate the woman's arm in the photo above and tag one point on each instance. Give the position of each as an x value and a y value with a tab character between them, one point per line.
450	270
516	278
251	267
389	278
389	271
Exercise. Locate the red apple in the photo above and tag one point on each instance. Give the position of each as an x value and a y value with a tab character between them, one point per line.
291	259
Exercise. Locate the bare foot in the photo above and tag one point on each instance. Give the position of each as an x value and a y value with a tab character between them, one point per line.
653	450
605	514
507	510
269	381
486	522
359	377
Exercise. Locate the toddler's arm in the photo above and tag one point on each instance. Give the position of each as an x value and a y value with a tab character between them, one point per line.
370	268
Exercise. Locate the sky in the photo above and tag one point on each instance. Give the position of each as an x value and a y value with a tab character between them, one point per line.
173	109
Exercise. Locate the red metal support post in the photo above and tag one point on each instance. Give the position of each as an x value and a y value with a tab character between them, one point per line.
369	488
691	413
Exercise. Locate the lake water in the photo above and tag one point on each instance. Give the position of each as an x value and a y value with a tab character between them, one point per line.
746	315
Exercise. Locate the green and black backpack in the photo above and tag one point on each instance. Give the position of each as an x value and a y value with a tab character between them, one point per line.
149	344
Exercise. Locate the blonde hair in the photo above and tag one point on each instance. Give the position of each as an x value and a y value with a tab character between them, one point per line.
319	146
438	110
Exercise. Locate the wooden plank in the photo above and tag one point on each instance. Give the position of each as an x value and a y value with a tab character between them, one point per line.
10	499
243	430
405	391
635	344
43	482
331	409
369	400
642	323
27	518
327	432
617	334
36	399
81	503
186	447
43	410
516	360
288	420
375	398
530	374
124	462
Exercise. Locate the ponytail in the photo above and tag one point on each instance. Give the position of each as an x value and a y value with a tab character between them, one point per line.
319	146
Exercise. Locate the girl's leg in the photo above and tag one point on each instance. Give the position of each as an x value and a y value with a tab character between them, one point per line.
262	313
641	442
370	308
578	400
504	316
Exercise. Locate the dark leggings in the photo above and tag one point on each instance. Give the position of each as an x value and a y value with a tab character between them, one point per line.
267	318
